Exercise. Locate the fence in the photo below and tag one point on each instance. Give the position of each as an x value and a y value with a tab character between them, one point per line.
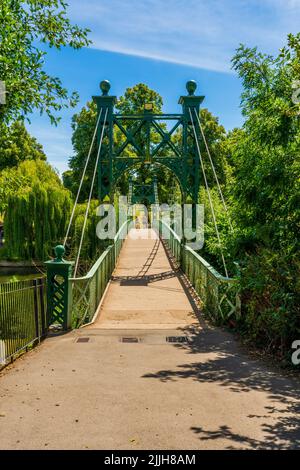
219	295
87	291
23	316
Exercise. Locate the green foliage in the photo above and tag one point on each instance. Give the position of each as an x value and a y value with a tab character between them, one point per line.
263	185
24	26
92	247
135	98
270	299
10	182
265	155
211	250
83	125
36	213
259	168
215	136
17	145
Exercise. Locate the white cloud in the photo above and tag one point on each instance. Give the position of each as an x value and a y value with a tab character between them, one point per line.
200	33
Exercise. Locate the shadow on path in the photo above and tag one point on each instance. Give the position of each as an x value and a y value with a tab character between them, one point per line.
230	367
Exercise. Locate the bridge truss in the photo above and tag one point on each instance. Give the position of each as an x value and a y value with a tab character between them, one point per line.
148	138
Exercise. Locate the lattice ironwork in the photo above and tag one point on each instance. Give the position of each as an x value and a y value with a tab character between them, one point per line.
58	273
58	290
219	295
143	193
87	291
149	138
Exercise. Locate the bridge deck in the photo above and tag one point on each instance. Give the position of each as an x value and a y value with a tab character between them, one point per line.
146	290
89	389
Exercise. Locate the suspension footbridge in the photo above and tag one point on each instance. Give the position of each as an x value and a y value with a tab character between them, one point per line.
123	143
138	366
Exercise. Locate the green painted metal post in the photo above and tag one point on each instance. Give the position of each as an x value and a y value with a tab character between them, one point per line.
190	103
105	103
59	272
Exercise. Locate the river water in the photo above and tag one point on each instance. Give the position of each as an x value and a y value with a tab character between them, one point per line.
9	274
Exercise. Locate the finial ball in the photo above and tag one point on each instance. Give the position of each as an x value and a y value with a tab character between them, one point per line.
59	251
191	86
105	87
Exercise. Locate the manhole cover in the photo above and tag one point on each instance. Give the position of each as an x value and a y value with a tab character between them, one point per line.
130	339
177	339
83	339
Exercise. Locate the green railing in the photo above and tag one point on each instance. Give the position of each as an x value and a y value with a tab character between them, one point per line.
23	316
86	292
219	295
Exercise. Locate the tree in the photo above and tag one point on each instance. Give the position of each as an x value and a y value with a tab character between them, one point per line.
266	154
17	145
134	99
215	135
25	25
83	126
265	196
37	211
10	182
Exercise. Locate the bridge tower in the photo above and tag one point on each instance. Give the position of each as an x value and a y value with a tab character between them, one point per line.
134	145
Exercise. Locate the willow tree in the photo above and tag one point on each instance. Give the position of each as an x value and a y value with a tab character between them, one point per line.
37	212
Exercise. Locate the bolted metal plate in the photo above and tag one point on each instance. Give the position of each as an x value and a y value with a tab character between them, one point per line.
178	339
83	339
130	339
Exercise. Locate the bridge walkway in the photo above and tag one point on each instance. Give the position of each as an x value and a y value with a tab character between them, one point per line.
146	290
89	389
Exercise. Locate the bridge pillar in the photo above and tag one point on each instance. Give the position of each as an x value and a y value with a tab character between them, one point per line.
105	106
191	166
59	293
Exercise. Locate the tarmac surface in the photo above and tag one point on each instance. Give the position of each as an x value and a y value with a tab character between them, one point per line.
120	384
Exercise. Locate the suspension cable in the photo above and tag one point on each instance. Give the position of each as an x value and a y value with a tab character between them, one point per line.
209	195
82	178
214	170
90	194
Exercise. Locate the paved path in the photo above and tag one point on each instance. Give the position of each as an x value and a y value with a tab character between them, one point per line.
102	393
145	290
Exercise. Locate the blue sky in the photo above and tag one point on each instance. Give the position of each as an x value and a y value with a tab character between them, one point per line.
163	43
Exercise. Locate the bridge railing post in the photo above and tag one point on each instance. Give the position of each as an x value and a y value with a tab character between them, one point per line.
59	292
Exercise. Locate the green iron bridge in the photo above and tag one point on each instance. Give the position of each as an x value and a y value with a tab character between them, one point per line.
123	143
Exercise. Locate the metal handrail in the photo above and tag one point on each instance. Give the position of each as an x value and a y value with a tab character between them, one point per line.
87	291
97	263
218	294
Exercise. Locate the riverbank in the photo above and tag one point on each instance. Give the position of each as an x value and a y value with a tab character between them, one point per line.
20	270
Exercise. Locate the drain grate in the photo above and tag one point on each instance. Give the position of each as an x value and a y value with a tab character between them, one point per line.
129	339
177	339
83	339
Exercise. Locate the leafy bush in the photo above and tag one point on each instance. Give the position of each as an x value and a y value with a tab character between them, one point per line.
271	300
